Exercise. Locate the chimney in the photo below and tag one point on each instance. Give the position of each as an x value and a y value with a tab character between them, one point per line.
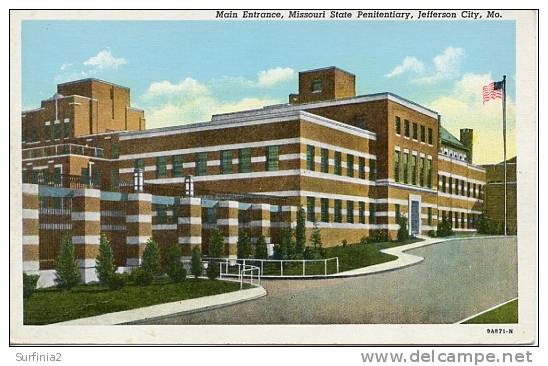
467	139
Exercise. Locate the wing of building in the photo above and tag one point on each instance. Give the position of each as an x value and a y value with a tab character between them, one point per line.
355	162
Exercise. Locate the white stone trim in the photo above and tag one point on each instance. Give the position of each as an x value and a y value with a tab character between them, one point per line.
227	222
230	240
145	197
113	227
460	177
192	201
193	220
259	223
29	188
139	218
87	192
463	163
164	227
136	240
459	197
85	216
260	206
30	213
229	204
86	263
31	239
190	240
86	239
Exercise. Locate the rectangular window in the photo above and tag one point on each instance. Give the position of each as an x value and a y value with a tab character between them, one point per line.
421	172
372	170
361	212
462	188
139	164
325	161
429	173
398	211
450	185
396	165
84	176
48	132
177	166
57	129
456	186
406	167
415	132
316	85
414	169
161	169
474	190
430	137
372	214
361	167
350	212
310	209
57	175
406	128
338	210
324	209
244	160
429	209
450	218
226	162
211	215
310	151
201	163
468	189
272	158
443	183
480	193
397	125
349	165
67	129
161	214
462	220
423	134
114	180
33	134
338	168
115	152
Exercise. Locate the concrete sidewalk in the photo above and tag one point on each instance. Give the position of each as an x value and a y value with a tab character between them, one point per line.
169	309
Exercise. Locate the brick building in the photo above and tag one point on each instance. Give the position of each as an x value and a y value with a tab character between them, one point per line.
356	163
494	195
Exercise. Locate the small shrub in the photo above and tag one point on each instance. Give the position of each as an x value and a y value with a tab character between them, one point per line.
142	277
196	266
261	250
379	236
29	284
403	232
363	240
244	245
216	245
104	263
444	228
212	270
67	273
344	243
432	233
151	258
175	269
117	281
300	233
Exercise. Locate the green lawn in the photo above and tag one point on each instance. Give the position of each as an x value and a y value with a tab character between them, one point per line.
505	314
52	305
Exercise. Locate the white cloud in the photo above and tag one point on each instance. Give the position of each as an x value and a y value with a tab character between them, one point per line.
188	87
463	107
446	66
409	63
274	76
105	60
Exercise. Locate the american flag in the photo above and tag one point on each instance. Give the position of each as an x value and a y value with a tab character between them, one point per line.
492	91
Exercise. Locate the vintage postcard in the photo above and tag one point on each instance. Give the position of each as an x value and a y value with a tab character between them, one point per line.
274	177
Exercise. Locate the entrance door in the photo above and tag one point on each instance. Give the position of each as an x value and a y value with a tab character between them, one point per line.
415	217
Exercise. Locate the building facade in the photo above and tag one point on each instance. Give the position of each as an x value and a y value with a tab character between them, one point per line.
355	163
494	195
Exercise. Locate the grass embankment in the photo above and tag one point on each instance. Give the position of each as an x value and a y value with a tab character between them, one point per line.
505	314
52	305
350	257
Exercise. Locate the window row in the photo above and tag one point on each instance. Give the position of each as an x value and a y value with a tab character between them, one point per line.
351	209
412	169
460	187
272	162
413	130
337	163
50	131
460	219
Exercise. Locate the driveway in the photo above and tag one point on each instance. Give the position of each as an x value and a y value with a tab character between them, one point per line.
456	279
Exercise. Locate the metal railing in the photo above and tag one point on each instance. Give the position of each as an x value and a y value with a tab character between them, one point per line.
288	268
62	149
244	272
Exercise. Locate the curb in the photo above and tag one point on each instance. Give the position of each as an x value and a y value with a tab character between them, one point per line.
169	309
485	311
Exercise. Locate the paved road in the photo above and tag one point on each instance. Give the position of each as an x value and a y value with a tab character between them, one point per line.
456	279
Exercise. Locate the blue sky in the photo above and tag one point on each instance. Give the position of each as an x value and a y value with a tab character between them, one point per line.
183	71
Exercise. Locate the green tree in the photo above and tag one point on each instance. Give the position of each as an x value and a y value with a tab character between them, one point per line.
444	228
283	250
67	273
151	258
104	263
261	250
403	232
300	232
216	245
316	241
244	245
175	269
196	266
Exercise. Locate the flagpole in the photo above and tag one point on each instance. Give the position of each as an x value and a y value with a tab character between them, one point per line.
504	140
